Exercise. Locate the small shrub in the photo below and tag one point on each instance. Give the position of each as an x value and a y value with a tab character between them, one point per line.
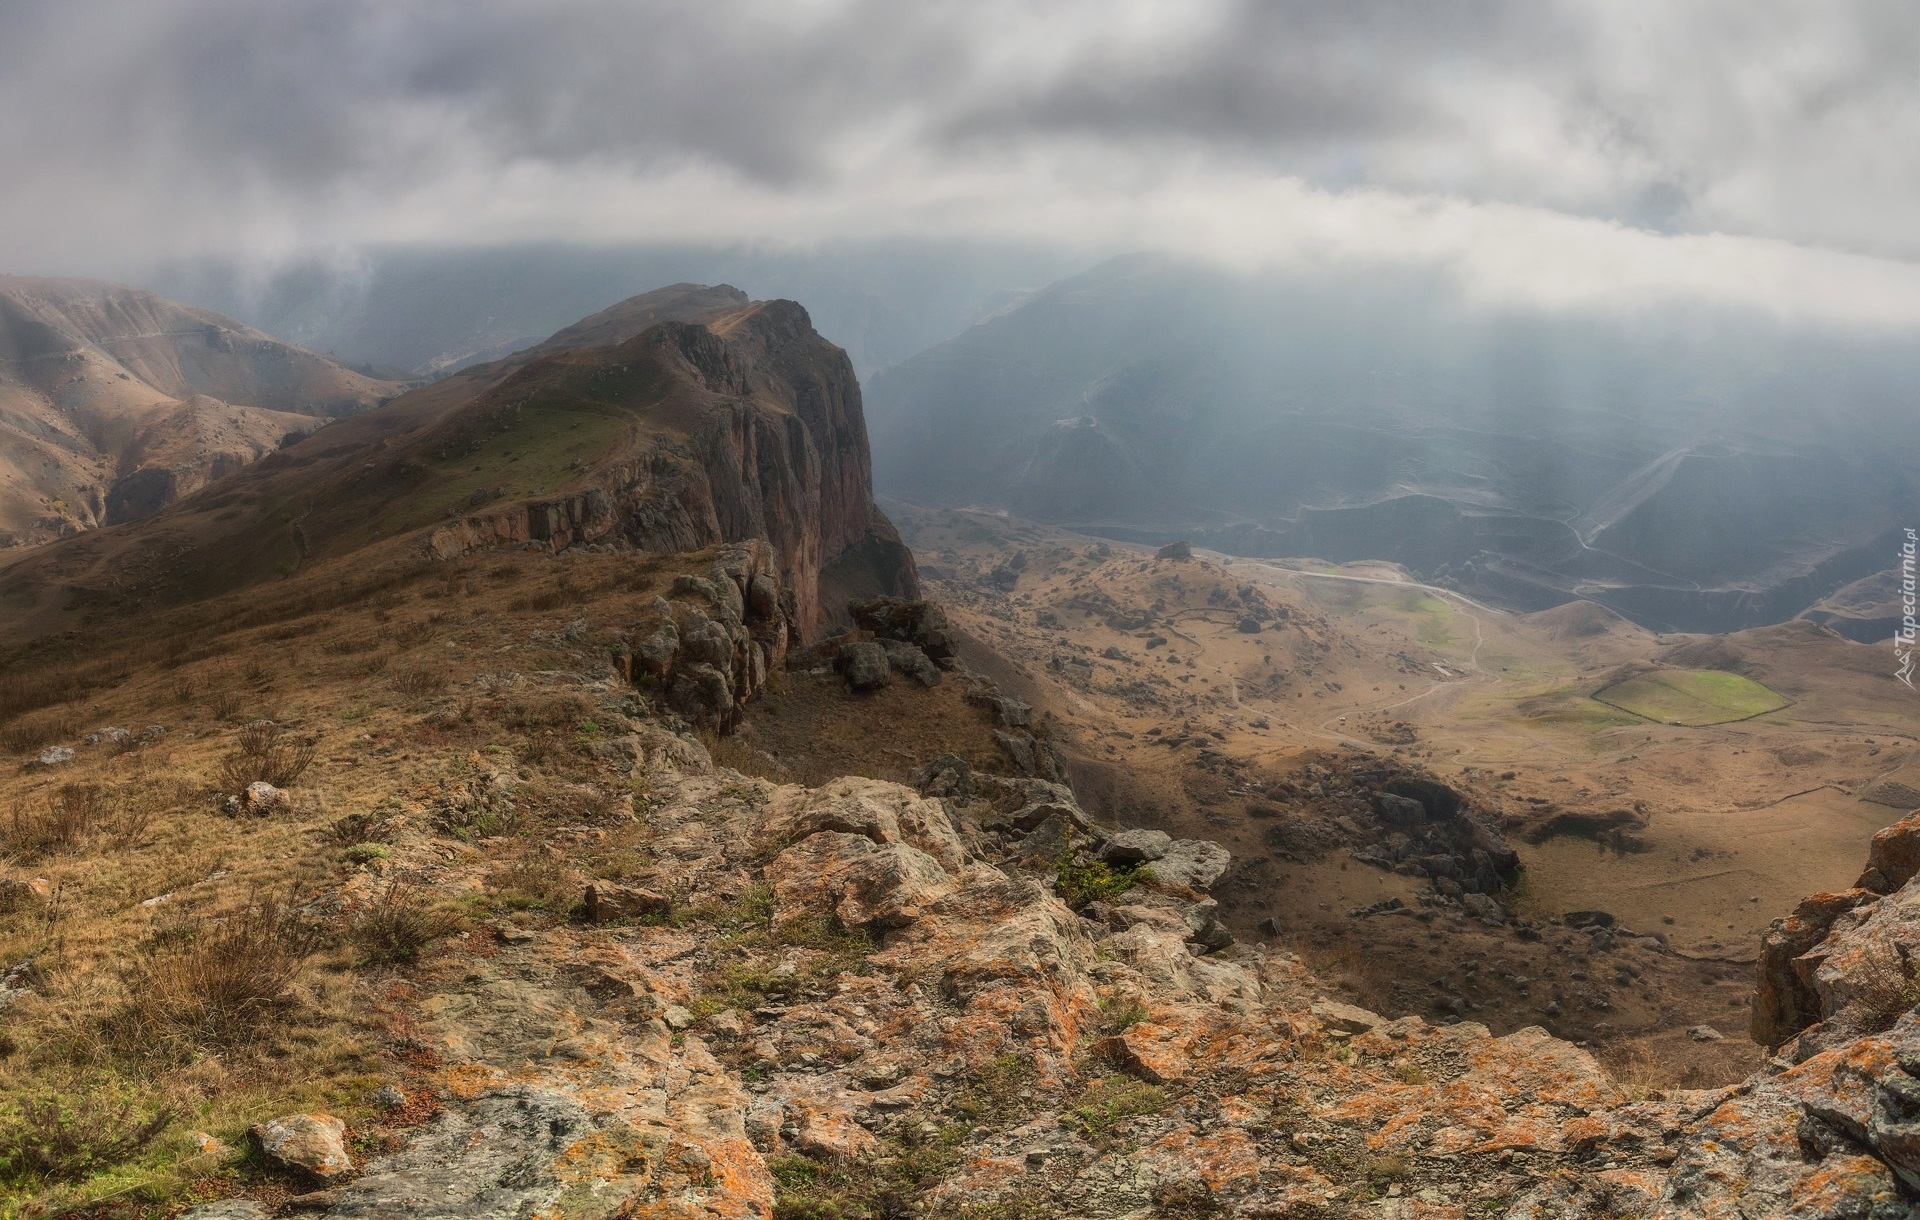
1884	989
419	682
264	751
31	734
537	882
366	853
476	807
1079	884
1117	1015
398	927
417	632
71	1134
226	705
1110	1101
211	981
351	829
73	816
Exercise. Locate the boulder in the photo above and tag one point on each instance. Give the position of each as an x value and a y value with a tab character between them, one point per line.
920	623
1175	550
909	660
865	666
313	1144
655	653
53	756
1399	811
607	901
1194	863
946	776
262	799
1136	847
1894	855
702	693
1008	712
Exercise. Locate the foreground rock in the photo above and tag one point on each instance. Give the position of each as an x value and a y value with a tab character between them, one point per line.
837	982
312	1144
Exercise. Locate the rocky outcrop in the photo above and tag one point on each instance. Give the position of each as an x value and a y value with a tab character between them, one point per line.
757	432
707	649
967	998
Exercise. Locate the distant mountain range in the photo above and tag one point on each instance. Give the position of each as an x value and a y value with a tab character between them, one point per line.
114	402
1696	474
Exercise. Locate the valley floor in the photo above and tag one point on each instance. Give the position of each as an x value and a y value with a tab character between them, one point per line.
1693	837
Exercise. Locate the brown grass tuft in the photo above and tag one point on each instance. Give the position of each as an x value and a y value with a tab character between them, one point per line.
399	926
264	751
213	981
419	681
69	1134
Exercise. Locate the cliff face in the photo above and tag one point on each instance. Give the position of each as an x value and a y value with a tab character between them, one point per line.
678	420
758	434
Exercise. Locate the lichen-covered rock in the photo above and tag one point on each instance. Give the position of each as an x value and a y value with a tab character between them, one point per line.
1785	1000
606	901
313	1144
1136	846
864	664
912	662
1191	863
1893	859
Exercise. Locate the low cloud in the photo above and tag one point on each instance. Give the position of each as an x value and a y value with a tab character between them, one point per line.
1555	152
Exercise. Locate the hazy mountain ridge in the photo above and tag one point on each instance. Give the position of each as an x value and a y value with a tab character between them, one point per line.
1703	474
114	401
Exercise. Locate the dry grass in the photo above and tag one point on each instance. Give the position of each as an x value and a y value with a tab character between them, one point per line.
537	881
399	926
264	752
212	982
70	1133
74	816
419	681
157	976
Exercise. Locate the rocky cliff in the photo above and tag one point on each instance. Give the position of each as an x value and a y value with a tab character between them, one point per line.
678	420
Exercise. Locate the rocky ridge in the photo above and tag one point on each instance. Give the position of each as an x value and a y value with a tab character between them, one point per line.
863	994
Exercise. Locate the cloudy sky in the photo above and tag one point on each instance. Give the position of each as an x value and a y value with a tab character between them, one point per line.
1554	150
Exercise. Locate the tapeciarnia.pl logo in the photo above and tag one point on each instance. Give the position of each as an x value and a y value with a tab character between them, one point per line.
1903	635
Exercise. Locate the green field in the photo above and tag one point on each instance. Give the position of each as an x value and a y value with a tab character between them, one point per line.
1691	697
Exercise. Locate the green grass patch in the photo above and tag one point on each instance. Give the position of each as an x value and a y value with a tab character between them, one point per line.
1692	697
1079	884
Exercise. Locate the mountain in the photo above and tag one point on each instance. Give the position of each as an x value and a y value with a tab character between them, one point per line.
678	419
114	402
439	309
1702	474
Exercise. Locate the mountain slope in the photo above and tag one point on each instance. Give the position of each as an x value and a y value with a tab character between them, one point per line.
690	416
115	401
1701	474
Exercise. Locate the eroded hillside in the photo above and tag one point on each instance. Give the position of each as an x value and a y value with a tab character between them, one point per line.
115	402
